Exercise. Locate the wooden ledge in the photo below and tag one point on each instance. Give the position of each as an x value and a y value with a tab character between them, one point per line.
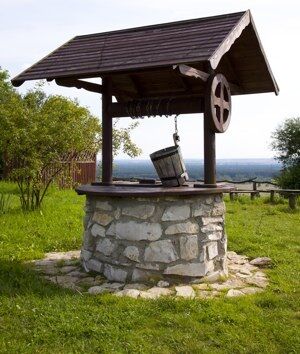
119	190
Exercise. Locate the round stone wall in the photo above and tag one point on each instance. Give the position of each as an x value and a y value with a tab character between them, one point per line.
132	239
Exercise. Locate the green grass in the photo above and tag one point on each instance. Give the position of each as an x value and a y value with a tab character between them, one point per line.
37	317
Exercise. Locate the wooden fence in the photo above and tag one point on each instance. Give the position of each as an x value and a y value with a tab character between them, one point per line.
78	169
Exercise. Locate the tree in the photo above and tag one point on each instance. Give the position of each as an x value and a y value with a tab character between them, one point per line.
286	141
40	131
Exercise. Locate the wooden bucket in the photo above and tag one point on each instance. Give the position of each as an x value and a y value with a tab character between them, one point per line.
169	166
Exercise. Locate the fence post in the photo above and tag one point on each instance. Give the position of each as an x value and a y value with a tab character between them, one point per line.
272	195
231	196
292	200
254	186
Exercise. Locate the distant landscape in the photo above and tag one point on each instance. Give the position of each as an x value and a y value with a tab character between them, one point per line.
230	169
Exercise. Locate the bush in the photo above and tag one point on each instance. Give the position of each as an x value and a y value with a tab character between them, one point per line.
289	178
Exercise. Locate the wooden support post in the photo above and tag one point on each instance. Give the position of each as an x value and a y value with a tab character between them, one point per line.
254	186
231	195
272	196
209	145
292	200
107	153
209	154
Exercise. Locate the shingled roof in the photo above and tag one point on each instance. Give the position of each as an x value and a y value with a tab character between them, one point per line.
140	59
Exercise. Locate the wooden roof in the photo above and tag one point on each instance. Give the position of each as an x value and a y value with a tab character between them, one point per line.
140	60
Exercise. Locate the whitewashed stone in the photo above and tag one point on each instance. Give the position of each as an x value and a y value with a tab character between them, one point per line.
176	213
201	286
218	198
137	286
135	231
102	218
210	278
132	253
215	236
67	269
211	228
78	274
64	281
211	220
259	275
88	281
117	213
134	293
234	293
185	291
250	290
209	200
140	211
182	228
163	284
201	209
113	273
98	230
190	269
218	209
86	255
161	251
45	263
259	282
58	256
212	250
155	293
103	205
105	246
111	231
189	247
148	266
105	288
140	275
93	265
261	261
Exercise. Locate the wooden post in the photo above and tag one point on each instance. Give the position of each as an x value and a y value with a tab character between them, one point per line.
231	195
209	153
107	153
209	141
254	186
272	196
292	200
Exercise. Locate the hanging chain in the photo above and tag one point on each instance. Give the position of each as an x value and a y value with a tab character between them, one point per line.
175	121
176	137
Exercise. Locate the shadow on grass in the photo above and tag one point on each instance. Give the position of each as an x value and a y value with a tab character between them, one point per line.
17	278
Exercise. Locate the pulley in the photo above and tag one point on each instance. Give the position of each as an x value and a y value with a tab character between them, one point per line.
218	103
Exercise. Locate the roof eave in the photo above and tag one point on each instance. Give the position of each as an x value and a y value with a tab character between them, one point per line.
227	43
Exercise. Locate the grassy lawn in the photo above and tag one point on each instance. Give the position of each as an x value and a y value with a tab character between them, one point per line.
37	317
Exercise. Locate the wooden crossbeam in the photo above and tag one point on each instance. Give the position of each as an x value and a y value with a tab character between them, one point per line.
79	84
164	106
191	72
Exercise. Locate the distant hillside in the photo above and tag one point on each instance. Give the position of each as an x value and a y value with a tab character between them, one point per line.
232	169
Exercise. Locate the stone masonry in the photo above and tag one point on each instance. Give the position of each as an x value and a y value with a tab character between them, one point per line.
146	239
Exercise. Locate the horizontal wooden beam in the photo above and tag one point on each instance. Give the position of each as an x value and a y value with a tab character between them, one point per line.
79	84
186	70
154	107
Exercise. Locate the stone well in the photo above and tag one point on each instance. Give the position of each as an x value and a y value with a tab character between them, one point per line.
130	238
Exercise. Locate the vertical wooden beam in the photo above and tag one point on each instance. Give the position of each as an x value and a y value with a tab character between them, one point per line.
107	153
209	153
209	142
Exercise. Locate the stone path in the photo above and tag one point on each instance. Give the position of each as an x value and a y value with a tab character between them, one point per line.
245	277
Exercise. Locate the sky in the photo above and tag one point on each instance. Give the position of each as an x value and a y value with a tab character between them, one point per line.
31	29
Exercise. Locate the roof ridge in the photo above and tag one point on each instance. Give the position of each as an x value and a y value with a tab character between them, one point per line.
165	24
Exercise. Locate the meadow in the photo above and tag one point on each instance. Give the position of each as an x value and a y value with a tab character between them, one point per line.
39	317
